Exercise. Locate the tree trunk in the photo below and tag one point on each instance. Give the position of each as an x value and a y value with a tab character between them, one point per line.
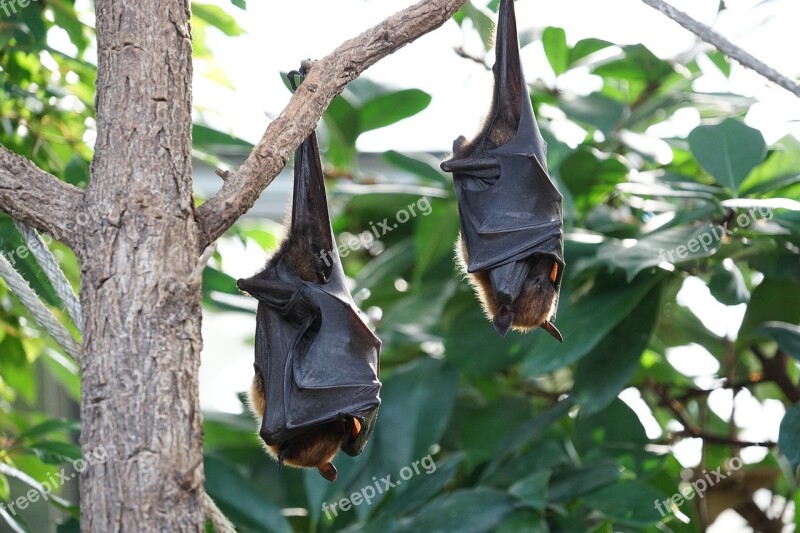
142	305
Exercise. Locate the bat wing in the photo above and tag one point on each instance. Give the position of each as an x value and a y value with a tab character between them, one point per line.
509	207
317	358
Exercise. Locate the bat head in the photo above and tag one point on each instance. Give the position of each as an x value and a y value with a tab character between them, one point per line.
520	295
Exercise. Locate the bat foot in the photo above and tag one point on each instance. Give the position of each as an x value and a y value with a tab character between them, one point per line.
328	471
503	320
552	330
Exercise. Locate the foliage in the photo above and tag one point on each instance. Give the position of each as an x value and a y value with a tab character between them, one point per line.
480	433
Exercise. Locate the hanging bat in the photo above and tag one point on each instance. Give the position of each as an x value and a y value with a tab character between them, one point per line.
510	245
316	387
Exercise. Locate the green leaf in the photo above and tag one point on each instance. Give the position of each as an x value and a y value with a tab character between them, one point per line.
416	316
424	166
422	488
779	170
482	23
241	4
65	371
584	322
586	47
217	17
728	150
64	16
727	284
721	61
608	368
54	452
532	490
524	521
387	109
434	235
16	369
554	41
629	502
678	245
341	120
591	175
775	299
466	510
567	485
211	139
4	488
595	109
482	428
240	499
616	428
467	332
789	436
52	425
216	280
786	335
638	63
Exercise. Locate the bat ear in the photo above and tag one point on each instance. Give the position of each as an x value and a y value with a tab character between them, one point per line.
552	330
328	471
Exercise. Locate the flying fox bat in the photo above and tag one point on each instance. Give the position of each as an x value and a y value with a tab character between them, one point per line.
316	387
510	244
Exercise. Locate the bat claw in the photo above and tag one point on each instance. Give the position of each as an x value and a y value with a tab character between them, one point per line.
328	471
552	330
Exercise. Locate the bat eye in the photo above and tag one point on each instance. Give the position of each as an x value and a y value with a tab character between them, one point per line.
356	428
554	272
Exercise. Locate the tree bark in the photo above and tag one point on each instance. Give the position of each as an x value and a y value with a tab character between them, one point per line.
142	305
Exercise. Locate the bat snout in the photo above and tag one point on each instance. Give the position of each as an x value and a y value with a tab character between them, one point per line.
503	320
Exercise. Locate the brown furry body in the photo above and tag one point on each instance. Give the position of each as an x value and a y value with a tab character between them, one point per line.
536	302
314	448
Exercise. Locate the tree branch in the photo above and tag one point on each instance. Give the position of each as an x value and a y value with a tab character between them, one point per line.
725	46
774	369
327	78
32	196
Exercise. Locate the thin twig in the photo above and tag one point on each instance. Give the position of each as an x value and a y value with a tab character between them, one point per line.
725	46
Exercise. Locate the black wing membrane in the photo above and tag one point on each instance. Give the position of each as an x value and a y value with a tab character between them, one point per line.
317	360
510	209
